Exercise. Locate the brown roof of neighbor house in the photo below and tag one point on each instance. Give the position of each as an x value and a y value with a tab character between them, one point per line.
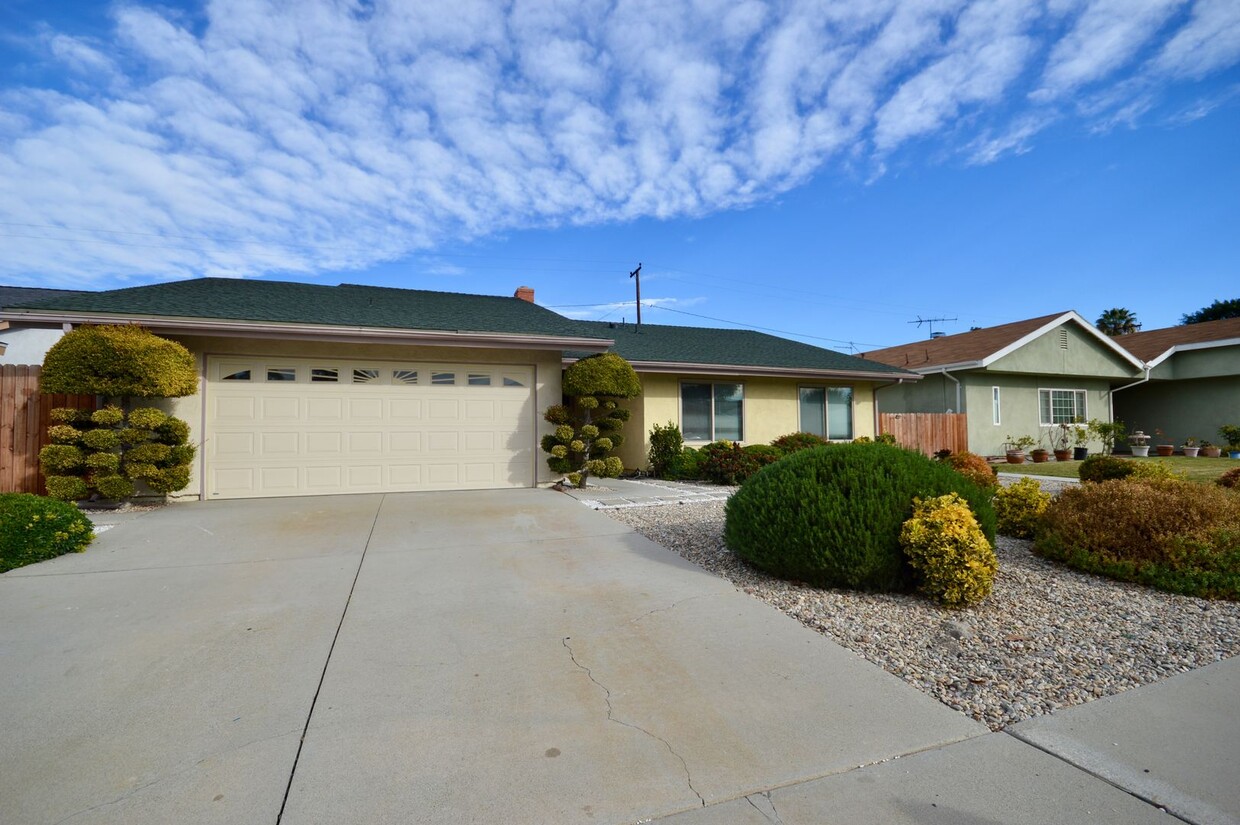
963	347
1153	343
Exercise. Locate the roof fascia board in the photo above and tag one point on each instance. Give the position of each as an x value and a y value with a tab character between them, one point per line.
671	367
1226	342
956	367
1047	327
320	332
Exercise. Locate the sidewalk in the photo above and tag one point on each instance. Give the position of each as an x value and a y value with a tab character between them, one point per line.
613	493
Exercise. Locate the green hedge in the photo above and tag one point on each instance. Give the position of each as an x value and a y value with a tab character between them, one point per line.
831	516
33	528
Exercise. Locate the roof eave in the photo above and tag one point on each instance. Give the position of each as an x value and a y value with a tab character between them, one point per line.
1170	351
317	332
1071	315
694	368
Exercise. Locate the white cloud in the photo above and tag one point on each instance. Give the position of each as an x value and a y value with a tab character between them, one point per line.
327	135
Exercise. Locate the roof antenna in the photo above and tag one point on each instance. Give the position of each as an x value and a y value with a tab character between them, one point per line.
637	274
931	322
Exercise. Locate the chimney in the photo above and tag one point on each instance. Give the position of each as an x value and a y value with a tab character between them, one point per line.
525	293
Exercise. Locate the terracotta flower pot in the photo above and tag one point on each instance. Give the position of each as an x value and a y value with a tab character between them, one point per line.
1063	455
1210	452
1015	457
1165	449
1040	456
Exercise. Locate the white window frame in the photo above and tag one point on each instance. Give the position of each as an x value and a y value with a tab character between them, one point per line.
680	400
826	410
996	407
1082	413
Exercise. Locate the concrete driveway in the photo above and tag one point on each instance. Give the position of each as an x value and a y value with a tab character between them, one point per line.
505	656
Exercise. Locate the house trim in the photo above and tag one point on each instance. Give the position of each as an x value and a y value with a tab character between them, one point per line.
687	368
1226	342
1047	327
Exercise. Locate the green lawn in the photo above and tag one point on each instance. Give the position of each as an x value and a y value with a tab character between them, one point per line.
1197	469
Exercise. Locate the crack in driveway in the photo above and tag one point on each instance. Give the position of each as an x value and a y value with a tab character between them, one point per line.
611	717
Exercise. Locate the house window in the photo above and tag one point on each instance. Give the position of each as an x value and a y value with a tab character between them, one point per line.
827	412
1060	406
994	405
712	412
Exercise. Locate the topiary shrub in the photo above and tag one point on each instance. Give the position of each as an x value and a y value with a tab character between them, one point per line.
943	543
1171	535
666	442
832	516
118	362
588	429
973	467
795	442
66	488
58	459
726	462
1229	479
34	528
1105	468
64	434
1018	507
114	487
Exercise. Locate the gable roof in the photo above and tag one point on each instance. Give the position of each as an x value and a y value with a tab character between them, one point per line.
982	347
1156	345
658	347
214	305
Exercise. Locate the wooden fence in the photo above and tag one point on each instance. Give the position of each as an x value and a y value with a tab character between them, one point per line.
927	432
24	417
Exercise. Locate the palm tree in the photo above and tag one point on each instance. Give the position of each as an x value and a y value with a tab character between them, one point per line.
1117	321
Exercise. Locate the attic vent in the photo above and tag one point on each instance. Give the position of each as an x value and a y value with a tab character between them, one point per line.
1063	338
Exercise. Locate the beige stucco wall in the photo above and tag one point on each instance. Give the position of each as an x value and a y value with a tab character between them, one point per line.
771	409
191	409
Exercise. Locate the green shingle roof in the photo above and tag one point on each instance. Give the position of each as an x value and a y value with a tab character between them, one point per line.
730	347
296	303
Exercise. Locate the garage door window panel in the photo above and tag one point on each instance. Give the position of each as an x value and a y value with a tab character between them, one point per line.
281	373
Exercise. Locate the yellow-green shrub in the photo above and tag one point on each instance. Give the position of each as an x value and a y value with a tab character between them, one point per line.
34	528
118	361
973	467
57	459
944	543
1018	507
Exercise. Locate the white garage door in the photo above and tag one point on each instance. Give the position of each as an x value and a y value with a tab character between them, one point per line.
294	426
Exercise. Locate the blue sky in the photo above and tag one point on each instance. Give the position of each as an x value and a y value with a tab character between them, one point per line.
831	170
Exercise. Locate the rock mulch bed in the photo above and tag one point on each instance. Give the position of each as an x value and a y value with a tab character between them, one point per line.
1047	637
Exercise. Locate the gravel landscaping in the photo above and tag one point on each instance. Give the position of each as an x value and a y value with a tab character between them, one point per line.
1047	638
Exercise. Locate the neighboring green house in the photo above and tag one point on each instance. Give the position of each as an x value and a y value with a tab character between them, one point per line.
740	385
1194	381
309	389
1022	378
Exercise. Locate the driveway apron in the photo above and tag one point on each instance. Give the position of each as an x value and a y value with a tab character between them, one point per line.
502	656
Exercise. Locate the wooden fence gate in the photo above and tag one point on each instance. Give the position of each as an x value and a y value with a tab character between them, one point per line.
927	432
24	417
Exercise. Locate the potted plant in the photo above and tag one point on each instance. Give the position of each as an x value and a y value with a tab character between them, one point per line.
1015	448
1208	450
1189	447
1080	439
1231	435
1162	443
1061	441
1139	443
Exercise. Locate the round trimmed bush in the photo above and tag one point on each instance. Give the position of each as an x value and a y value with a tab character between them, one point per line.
67	488
1018	506
795	442
59	458
113	487
832	516
1105	468
945	546
973	467
107	463
34	528
118	361
109	416
101	440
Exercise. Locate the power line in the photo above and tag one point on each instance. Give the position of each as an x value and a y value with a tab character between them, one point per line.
764	329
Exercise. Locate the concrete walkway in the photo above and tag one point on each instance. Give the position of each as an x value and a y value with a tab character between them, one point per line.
511	657
615	493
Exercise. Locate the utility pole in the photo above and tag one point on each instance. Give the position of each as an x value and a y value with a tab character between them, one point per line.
637	275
